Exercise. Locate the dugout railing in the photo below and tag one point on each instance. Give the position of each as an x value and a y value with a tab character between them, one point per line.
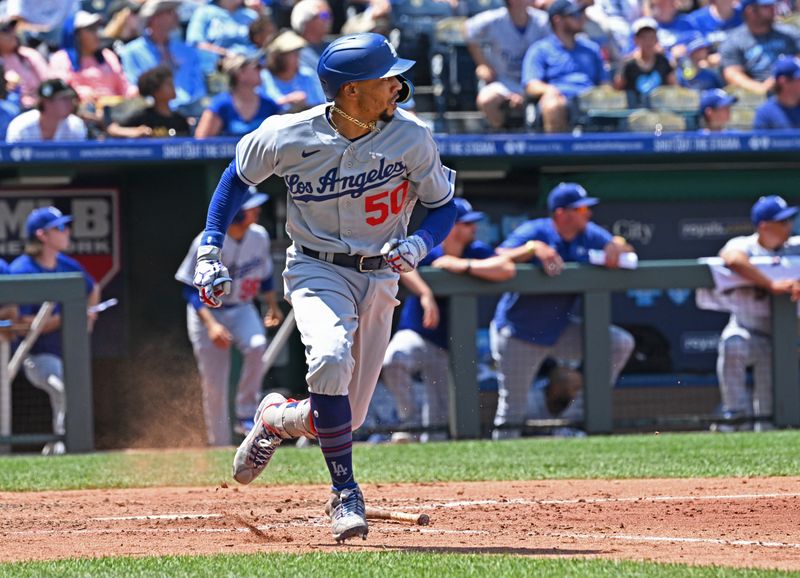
68	289
595	285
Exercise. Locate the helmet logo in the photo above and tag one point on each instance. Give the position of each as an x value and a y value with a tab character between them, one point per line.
394	52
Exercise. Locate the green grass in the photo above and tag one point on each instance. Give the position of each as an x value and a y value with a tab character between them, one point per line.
607	457
383	565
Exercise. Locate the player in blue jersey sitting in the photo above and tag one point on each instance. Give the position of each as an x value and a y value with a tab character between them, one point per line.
48	236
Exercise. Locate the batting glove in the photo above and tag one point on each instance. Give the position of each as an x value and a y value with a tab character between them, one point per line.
403	255
211	277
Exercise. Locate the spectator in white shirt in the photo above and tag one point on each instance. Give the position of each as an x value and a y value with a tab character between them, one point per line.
52	119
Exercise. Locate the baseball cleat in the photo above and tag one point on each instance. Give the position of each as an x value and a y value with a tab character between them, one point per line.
259	444
348	514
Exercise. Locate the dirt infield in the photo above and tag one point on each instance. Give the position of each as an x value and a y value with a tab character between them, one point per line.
731	522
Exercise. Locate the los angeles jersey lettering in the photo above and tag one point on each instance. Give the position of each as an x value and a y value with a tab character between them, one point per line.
347	197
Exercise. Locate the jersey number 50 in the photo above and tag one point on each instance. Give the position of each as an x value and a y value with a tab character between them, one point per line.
383	203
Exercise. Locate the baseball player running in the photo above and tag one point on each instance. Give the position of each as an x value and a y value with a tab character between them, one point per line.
246	251
354	168
48	234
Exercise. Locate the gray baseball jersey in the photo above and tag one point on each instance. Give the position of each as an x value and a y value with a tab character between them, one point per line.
504	44
346	197
748	317
249	262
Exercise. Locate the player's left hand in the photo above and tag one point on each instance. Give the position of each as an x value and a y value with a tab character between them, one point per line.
403	255
211	277
273	318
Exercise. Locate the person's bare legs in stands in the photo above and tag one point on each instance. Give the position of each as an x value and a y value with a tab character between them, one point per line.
553	107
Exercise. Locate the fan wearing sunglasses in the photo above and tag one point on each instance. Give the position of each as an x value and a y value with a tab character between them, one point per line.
48	236
527	329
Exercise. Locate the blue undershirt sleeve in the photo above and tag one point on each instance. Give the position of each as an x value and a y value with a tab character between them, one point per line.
225	203
192	297
437	224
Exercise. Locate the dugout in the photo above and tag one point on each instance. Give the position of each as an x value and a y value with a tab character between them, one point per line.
141	203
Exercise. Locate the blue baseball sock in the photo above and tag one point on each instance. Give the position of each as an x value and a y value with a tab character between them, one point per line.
334	424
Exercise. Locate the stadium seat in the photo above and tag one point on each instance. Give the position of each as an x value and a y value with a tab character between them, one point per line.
742	117
675	99
746	97
650	121
455	85
416	21
602	108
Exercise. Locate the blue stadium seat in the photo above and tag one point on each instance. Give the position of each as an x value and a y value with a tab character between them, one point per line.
452	68
416	21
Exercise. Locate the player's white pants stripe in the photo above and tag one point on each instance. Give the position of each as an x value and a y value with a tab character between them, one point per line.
344	318
518	362
739	349
214	363
407	354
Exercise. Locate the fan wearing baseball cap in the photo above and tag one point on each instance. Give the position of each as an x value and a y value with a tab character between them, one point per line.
715	109
745	341
782	110
421	341
53	119
47	237
527	329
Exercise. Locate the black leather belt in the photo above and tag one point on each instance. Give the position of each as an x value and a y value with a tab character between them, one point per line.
360	263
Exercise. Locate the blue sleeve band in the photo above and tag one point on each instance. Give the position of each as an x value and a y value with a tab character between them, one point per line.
267	285
225	203
192	297
437	224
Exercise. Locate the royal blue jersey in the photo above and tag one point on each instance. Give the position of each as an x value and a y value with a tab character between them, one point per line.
232	123
27	265
541	319
773	115
411	315
3	267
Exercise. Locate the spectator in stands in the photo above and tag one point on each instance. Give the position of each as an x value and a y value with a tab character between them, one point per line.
497	40
674	29
559	67
375	17
421	341
614	18
124	23
782	110
292	86
716	18
9	105
48	236
694	70
529	328
25	68
157	46
312	20
750	51
157	120
42	21
647	68
94	72
262	31
53	119
216	28
241	109
715	109
745	341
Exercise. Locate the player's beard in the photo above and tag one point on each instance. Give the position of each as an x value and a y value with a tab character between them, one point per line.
386	116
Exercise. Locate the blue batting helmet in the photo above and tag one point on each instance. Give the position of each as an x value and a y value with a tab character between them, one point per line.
361	57
252	200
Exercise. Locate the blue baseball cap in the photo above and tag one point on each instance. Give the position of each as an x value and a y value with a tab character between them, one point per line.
787	66
465	213
698	43
253	199
45	218
569	196
771	208
716	98
565	8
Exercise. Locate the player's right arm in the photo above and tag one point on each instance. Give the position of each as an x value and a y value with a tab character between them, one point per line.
414	282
